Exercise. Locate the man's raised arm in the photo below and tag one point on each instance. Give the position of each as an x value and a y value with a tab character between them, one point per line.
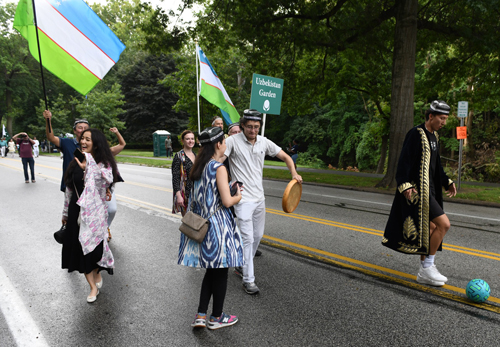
49	129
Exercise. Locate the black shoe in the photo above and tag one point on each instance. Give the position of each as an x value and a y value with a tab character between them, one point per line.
239	271
258	253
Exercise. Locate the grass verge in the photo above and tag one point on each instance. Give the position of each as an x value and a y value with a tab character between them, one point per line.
144	161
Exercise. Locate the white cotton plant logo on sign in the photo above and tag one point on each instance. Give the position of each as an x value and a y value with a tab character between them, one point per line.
267	105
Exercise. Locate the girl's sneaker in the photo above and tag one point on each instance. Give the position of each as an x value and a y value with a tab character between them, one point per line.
224	320
200	321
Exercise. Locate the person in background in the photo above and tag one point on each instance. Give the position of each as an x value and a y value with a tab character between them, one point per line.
85	247
67	146
218	122
181	166
233	129
417	222
112	205
221	248
36	150
25	152
294	151
3	146
168	146
12	148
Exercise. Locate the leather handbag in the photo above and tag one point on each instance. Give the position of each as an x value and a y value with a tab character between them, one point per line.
60	234
194	226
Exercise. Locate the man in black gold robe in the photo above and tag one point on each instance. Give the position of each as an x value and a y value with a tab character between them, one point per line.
417	223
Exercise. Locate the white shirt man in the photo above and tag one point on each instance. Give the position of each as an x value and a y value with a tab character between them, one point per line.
246	152
36	150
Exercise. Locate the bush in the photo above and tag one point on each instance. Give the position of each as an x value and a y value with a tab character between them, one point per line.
307	159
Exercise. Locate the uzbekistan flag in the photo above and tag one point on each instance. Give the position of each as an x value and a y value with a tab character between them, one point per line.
213	91
75	44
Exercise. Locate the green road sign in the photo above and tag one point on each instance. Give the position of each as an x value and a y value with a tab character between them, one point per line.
463	108
266	94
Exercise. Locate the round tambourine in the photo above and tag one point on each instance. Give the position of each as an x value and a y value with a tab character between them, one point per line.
291	196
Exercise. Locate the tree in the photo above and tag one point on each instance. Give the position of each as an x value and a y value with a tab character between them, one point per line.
403	81
149	103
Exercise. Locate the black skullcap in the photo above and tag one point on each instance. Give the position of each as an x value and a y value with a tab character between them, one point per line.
210	135
440	107
233	125
78	121
251	114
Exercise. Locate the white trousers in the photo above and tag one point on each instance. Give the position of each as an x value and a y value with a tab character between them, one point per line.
112	207
252	221
36	151
3	151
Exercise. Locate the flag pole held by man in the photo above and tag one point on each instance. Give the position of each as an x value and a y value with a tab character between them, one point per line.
75	44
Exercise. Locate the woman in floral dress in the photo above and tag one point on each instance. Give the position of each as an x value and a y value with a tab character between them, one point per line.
85	214
181	166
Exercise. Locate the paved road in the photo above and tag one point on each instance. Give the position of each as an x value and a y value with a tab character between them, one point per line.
325	279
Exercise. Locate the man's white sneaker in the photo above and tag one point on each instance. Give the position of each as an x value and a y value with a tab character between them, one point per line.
431	276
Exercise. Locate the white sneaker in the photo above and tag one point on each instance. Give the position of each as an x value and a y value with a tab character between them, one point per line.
431	276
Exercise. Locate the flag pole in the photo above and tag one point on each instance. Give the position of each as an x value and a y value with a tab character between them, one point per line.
197	88
40	60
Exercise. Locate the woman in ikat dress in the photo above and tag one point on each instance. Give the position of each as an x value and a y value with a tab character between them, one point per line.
222	246
85	214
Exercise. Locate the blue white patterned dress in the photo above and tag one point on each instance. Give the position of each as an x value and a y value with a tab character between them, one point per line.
222	246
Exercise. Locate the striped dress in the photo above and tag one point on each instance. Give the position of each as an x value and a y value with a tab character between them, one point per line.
222	246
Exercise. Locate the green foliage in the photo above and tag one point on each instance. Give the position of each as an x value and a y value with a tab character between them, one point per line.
148	102
310	160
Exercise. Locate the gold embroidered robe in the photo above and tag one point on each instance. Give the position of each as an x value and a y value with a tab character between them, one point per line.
407	229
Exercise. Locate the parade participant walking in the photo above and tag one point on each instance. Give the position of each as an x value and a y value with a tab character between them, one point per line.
85	247
221	248
3	146
112	205
25	152
218	122
36	150
67	146
246	152
417	223
181	166
12	148
233	129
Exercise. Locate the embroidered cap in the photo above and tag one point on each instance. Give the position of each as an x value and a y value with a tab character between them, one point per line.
215	120
211	135
440	107
78	121
251	114
236	124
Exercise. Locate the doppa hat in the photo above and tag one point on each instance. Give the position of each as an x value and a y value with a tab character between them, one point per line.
251	114
440	107
235	124
210	135
78	121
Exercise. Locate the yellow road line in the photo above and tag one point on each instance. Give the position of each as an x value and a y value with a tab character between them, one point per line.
342	261
413	285
454	248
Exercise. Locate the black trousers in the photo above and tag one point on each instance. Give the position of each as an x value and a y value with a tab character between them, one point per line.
214	285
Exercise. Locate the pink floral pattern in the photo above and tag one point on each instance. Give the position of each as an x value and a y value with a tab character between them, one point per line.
94	210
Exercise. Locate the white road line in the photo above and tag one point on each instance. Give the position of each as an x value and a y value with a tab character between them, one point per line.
22	326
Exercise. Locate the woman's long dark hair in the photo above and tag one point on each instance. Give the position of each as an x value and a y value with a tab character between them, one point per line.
101	153
202	158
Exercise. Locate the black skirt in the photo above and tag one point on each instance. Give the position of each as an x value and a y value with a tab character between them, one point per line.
72	253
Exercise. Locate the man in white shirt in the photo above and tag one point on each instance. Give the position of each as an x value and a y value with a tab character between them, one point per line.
36	150
246	152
